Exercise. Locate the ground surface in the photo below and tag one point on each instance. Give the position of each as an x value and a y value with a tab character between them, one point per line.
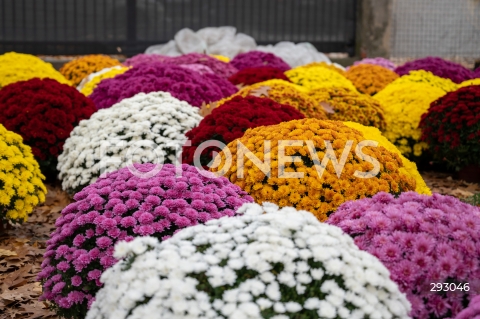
22	248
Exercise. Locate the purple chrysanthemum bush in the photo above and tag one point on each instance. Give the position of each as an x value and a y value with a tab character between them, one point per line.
473	310
422	240
255	59
120	207
184	84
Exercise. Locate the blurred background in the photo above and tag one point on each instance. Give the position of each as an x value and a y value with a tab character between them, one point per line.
397	29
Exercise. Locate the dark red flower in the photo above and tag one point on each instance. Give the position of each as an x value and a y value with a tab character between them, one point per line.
451	124
251	76
231	120
43	112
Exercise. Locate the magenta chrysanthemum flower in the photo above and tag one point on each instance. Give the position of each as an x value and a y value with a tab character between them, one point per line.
81	247
439	67
255	59
418	245
184	84
473	310
377	61
144	58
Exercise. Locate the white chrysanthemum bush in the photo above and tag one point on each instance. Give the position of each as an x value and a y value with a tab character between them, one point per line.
267	263
146	128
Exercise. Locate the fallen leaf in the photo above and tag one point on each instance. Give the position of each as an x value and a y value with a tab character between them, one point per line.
261	91
6	252
327	107
207	109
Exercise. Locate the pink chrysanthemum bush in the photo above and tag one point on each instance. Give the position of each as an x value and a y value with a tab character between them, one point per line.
122	206
473	310
423	240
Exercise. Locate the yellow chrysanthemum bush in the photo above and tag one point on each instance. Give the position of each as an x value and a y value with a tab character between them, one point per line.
318	77
469	82
283	92
77	69
409	167
370	79
325	65
404	104
21	186
92	84
15	67
422	76
346	105
310	164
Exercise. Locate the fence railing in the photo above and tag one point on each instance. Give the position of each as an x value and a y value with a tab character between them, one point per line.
58	27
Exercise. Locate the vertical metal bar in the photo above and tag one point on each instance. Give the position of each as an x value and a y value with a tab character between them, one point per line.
24	17
147	22
84	25
105	34
34	21
14	21
45	24
165	33
75	31
131	23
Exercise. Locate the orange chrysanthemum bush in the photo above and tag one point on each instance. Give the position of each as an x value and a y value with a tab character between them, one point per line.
263	163
370	79
283	92
346	105
76	70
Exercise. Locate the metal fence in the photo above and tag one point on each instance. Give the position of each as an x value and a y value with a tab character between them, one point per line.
129	26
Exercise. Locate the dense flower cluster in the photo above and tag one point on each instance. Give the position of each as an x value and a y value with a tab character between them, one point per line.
220	68
404	105
15	67
117	208
310	182
186	85
427	77
421	240
329	66
438	67
318	77
249	76
370	79
255	59
284	92
144	58
43	112
21	186
77	69
230	122
409	167
377	61
306	270
451	127
145	128
473	310
346	105
97	77
200	68
469	82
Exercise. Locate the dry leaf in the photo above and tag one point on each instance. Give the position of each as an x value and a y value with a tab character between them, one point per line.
6	252
327	107
261	91
240	86
207	109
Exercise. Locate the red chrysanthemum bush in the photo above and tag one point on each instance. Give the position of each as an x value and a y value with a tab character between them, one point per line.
251	76
451	127
43	112
119	207
231	120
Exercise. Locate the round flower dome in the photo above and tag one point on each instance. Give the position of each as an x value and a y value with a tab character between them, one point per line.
43	112
251	76
306	270
230	121
22	187
426	242
310	164
438	67
451	127
118	208
469	82
370	79
427	77
255	59
377	61
330	66
184	84
404	105
77	69
345	105
283	92
145	128
318	77
16	67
